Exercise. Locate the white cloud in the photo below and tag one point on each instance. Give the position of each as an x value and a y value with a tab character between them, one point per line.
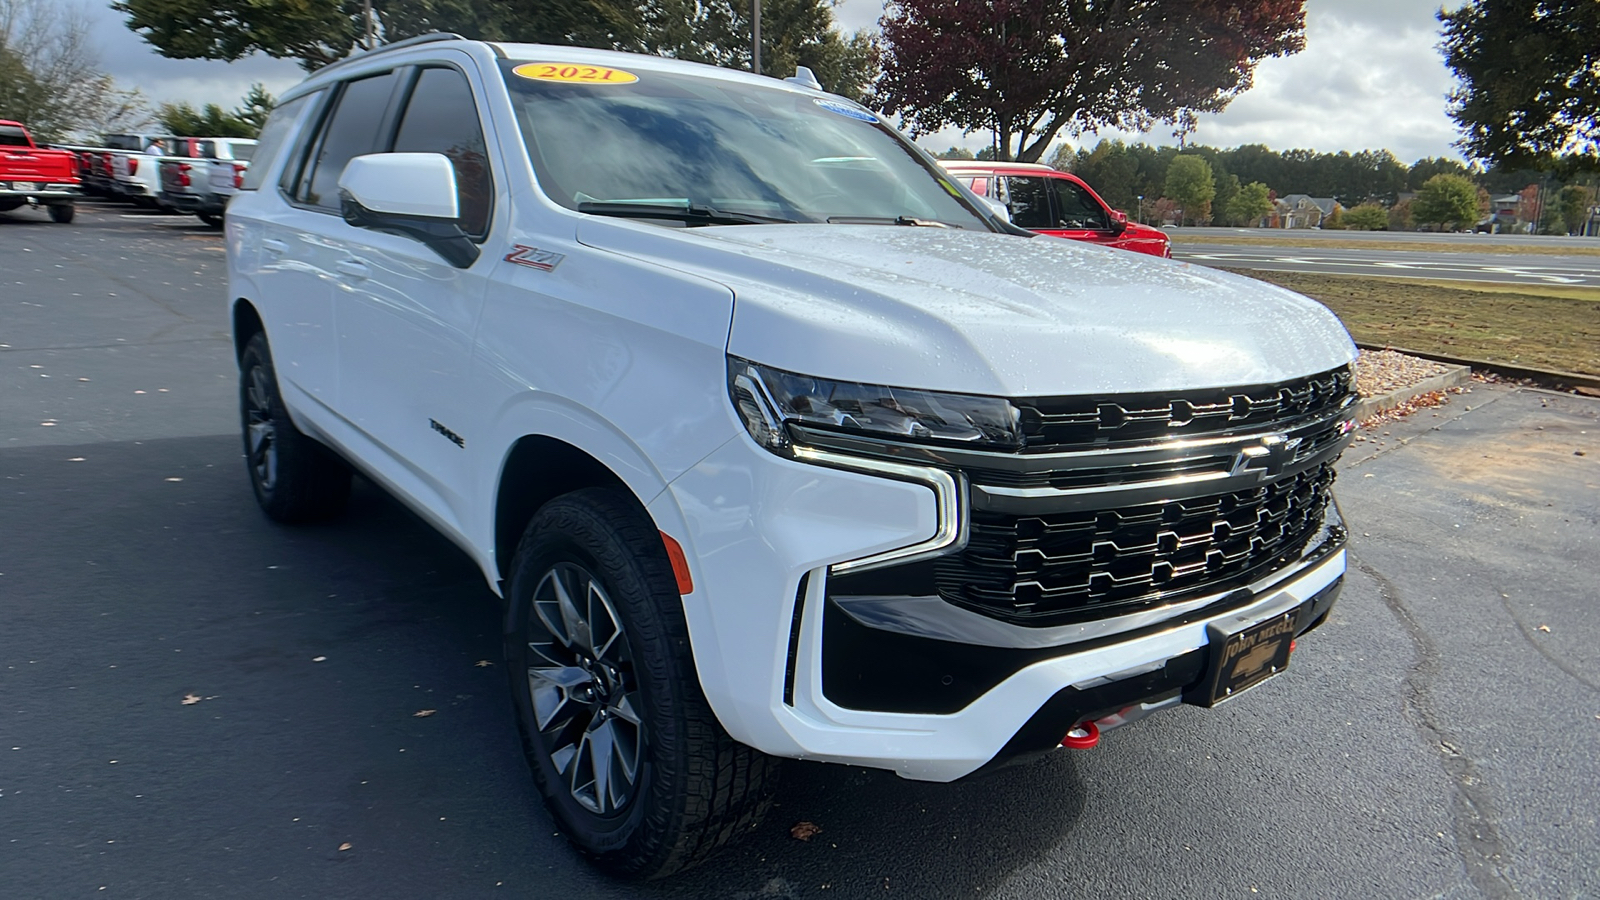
1369	78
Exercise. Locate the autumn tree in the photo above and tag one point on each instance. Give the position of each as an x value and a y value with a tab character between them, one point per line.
50	78
1250	205
1190	185
1028	69
1446	200
1529	85
1367	217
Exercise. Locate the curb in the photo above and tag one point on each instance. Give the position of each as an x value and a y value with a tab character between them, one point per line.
1548	378
1368	407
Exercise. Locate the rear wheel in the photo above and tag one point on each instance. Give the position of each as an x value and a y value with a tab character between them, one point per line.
62	212
215	221
296	479
632	762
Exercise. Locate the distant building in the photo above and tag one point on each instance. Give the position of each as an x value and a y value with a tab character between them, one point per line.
1303	210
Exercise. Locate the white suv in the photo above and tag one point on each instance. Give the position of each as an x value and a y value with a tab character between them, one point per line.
776	441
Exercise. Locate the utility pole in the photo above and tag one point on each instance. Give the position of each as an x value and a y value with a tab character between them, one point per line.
366	15
755	36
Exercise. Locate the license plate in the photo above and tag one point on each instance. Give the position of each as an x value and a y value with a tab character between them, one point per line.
1245	658
24	186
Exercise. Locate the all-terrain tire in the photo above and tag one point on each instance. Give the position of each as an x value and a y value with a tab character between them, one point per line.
296	478
62	213
696	787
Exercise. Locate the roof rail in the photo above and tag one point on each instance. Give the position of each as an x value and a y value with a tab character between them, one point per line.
429	38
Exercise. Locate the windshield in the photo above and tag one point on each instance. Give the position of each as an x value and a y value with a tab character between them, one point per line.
726	149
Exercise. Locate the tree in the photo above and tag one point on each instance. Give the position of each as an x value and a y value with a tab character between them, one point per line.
255	108
1061	160
1573	202
1027	69
1190	185
1227	188
1250	205
1401	218
1367	217
1429	166
954	153
1334	221
49	76
1529	88
1113	171
317	32
1446	200
214	121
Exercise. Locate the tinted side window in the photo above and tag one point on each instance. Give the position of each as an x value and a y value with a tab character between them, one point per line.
1075	208
1028	199
441	118
351	130
273	136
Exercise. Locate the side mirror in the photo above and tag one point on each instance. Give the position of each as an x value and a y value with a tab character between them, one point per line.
409	194
998	208
1119	221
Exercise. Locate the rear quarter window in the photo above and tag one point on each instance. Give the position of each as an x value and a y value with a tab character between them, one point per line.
274	135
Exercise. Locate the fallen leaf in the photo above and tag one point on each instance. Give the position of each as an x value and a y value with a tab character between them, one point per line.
804	831
423	713
1545	628
345	846
190	699
482	663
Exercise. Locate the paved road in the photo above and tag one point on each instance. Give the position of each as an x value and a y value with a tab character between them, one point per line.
1432	740
1383	262
1312	237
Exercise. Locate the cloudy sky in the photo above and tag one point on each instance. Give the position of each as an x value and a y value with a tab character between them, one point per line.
1370	77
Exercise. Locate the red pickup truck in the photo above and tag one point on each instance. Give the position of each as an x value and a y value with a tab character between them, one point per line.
32	175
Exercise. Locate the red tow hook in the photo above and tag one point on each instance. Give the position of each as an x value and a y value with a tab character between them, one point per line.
1083	736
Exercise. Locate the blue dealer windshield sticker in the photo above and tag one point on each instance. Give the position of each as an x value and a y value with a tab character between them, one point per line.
848	111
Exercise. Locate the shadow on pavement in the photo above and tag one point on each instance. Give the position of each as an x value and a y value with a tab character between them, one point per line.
140	575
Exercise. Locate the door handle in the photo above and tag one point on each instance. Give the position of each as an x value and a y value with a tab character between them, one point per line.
275	247
354	269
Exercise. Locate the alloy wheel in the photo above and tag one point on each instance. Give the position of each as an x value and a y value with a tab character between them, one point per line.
583	690
263	434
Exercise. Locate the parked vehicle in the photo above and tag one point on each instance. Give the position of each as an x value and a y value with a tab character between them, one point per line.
202	181
33	175
1059	204
775	440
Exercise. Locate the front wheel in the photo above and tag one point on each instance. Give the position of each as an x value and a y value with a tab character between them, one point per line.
296	478
62	212
630	759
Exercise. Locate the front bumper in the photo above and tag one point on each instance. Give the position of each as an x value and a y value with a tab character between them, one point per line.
932	694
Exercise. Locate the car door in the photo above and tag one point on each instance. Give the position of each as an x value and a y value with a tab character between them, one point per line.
1079	214
407	318
299	248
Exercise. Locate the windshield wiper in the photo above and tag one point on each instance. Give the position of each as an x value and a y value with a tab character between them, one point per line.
889	220
690	213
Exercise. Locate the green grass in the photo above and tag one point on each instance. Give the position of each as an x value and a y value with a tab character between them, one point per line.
1487	322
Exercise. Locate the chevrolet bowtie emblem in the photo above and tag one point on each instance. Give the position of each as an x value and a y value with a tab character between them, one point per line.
1268	457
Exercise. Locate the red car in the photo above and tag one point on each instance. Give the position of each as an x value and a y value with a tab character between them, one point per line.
1050	202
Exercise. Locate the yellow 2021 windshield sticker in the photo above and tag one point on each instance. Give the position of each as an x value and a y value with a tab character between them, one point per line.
574	74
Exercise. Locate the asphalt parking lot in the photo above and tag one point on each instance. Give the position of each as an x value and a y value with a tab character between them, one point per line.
1437	738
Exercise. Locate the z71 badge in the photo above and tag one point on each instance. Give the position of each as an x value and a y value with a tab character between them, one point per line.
534	258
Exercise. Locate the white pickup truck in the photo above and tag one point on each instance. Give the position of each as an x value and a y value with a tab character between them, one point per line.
202	181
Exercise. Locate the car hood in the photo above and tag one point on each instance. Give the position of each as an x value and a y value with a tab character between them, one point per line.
945	309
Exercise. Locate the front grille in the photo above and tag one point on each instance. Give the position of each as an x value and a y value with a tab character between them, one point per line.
1054	424
1060	567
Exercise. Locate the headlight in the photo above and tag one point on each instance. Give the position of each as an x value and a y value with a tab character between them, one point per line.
767	399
